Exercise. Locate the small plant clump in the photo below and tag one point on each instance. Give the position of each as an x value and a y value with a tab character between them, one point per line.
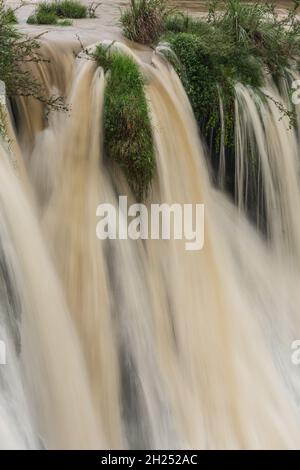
58	12
70	9
127	129
42	17
144	20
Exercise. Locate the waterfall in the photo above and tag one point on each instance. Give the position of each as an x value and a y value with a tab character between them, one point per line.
141	344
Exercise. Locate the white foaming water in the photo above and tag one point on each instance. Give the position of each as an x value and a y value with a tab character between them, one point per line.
142	344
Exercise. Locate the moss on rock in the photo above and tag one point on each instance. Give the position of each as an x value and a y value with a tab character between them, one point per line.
128	137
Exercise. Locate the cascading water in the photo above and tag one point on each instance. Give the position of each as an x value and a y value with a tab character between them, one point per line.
122	343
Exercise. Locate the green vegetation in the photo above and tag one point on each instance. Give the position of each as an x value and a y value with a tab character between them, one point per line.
127	129
240	43
42	17
235	43
69	9
144	20
10	16
54	12
16	51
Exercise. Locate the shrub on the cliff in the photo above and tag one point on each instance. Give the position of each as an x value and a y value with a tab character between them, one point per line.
127	128
144	20
237	42
261	31
209	65
254	30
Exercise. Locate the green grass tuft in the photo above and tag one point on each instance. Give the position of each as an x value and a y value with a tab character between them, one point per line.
42	17
143	21
70	9
127	129
102	55
52	12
